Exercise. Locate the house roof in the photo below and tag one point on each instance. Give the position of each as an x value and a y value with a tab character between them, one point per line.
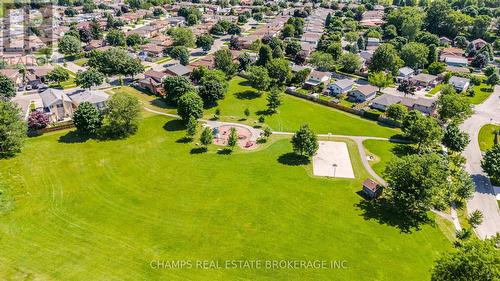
344	83
51	96
387	100
179	69
458	81
370	184
424	77
456	60
366	89
406	71
89	96
156	75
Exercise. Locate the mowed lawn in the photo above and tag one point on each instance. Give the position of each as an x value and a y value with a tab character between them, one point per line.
487	136
293	113
89	210
383	152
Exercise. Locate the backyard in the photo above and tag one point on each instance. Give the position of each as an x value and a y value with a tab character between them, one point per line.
150	197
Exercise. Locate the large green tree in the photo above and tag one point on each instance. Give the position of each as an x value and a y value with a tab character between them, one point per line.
386	58
453	106
305	142
211	90
190	105
491	163
223	60
472	260
58	75
454	139
87	118
258	77
12	129
380	79
69	45
415	55
7	88
175	87
115	61
205	42
182	37
424	130
116	37
279	70
123	114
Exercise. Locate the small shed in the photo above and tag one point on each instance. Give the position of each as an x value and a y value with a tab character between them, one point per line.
371	189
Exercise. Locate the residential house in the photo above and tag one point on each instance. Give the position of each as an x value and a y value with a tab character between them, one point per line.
372	42
479	43
207	61
96	98
363	93
424	105
451	52
459	83
445	41
317	77
13	74
366	58
152	50
405	73
372	18
425	80
456	61
94	44
371	189
36	76
153	82
57	104
340	87
178	70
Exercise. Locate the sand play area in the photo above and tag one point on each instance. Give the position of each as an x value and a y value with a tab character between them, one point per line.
332	160
245	137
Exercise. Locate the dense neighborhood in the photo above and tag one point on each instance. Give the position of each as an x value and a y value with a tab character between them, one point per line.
212	130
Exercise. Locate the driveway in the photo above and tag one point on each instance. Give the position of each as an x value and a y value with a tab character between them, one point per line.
484	197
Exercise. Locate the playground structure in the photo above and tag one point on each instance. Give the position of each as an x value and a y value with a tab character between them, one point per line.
246	139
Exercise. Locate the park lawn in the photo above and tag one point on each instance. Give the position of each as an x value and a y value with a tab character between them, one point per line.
487	136
383	152
293	113
103	210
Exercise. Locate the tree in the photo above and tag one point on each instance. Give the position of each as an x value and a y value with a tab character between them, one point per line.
181	53
246	112
206	137
95	29
223	60
288	31
472	260
414	182
491	163
489	70
88	78
493	80
305	142
115	61
397	112
123	113
182	37
300	77
480	60
437	15
12	129
205	42
436	68
232	139
350	62
85	35
323	61
245	61
433	54
69	45
191	127
279	70
116	37
415	54
480	26
258	78
410	27
292	48
175	87
423	130
274	100
58	75
211	91
454	139
87	118
190	105
134	39
380	79
453	106
265	55
476	218
234	29
7	88
38	120
384	58
407	87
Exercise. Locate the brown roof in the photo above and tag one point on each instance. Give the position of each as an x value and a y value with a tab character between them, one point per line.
156	75
366	89
370	184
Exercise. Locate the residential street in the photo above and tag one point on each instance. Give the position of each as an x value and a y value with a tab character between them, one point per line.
484	197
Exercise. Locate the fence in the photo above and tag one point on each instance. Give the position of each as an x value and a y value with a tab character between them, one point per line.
53	128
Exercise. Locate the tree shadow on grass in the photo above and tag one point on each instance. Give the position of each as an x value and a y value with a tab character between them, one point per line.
184	140
292	159
158	102
174	125
487	90
247	95
384	212
401	150
198	150
245	83
225	151
265	112
74	137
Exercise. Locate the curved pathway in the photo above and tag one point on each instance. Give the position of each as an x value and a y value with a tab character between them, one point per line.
484	198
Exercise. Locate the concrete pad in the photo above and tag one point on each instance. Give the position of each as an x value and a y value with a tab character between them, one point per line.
330	153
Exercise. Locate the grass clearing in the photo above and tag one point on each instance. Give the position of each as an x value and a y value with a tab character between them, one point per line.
293	113
383	152
487	136
482	92
102	210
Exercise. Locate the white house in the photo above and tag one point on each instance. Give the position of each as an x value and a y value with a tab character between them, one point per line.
340	87
317	77
459	83
57	104
363	93
405	73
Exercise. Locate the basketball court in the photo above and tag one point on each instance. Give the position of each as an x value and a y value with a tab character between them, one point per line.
333	160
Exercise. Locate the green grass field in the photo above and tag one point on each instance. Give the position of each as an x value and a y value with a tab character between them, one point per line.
383	152
293	113
103	210
487	136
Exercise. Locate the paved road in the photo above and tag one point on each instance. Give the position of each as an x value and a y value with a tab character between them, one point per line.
484	197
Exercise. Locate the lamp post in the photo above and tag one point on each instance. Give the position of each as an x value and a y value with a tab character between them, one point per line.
334	169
